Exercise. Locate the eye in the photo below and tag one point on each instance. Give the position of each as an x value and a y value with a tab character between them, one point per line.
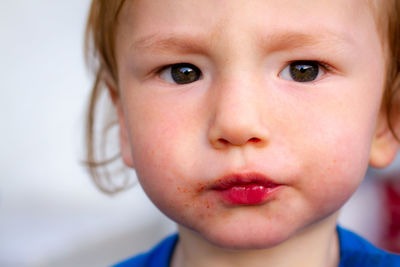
302	71
181	73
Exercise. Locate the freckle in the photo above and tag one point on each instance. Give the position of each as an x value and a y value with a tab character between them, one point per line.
226	216
179	189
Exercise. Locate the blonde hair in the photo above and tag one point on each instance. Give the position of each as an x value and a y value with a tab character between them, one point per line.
100	54
99	46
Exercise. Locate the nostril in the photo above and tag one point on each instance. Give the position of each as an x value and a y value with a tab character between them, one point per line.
223	141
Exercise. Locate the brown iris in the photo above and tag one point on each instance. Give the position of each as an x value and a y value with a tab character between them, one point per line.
185	73
304	71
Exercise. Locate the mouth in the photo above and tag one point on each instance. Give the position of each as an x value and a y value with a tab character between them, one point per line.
245	189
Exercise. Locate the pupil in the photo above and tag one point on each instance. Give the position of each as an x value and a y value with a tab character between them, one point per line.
304	71
185	73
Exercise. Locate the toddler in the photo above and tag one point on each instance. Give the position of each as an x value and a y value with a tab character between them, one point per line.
251	123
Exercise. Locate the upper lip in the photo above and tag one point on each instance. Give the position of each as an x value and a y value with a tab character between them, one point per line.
242	179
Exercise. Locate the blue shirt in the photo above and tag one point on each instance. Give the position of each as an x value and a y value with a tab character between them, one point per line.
354	252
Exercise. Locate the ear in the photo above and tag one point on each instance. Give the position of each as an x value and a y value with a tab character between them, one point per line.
125	146
384	144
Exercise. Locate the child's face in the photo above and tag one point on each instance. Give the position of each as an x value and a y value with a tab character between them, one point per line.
281	94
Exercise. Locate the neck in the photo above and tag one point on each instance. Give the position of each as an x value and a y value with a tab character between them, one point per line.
315	246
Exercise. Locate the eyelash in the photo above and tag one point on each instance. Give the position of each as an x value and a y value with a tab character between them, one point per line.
325	66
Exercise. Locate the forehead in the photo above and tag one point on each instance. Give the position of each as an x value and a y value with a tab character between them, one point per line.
143	21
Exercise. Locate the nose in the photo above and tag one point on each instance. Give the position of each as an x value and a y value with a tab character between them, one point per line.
237	117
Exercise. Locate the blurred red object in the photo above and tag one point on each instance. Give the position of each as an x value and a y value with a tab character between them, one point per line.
390	239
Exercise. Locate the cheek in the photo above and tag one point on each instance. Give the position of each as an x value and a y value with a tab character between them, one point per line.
334	149
176	195
338	170
166	164
162	145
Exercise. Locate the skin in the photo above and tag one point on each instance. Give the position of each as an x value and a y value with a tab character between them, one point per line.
244	115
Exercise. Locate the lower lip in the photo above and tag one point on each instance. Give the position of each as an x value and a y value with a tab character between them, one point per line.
251	194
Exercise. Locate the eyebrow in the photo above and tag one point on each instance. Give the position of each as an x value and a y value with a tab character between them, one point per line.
166	43
189	43
295	39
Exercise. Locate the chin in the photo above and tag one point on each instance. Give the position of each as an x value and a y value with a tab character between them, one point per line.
234	241
245	237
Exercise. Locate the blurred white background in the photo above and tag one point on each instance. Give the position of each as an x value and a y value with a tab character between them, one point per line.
51	214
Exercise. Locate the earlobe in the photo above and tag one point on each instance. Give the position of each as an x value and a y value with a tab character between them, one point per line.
384	145
125	147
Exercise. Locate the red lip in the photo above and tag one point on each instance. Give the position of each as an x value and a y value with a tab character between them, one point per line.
245	189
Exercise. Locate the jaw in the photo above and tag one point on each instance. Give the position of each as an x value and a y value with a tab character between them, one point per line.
321	238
